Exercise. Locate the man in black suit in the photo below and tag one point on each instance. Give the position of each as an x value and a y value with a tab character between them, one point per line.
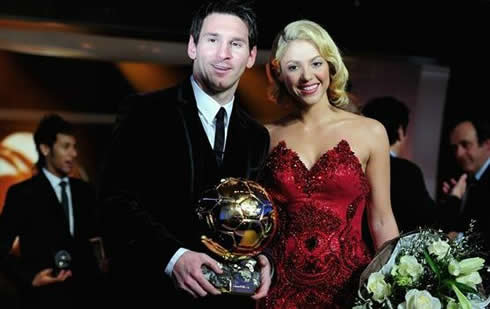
51	214
411	203
149	191
469	196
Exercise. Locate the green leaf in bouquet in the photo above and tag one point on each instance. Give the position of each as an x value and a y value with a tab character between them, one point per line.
433	266
464	288
464	303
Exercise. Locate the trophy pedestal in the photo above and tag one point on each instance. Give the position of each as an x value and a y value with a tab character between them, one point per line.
240	277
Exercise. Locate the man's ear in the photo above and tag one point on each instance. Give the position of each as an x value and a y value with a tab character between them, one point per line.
251	57
191	48
486	144
45	150
401	133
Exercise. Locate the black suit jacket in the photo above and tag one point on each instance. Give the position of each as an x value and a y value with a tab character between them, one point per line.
410	201
158	164
476	207
33	212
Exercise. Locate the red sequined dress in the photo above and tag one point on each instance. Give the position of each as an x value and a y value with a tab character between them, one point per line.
318	250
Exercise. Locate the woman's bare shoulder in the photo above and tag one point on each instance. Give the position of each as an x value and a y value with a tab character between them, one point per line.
368	125
373	126
371	131
362	129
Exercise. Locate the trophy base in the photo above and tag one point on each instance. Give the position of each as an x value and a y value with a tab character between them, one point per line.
240	278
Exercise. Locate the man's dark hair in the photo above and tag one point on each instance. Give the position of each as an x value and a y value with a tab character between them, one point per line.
391	112
241	9
47	131
481	125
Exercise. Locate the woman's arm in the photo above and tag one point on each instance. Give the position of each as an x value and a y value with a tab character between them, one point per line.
381	221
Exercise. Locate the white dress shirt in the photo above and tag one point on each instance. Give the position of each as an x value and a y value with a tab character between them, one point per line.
482	169
207	109
55	183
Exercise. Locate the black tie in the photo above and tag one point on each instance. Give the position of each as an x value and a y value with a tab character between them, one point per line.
64	199
219	136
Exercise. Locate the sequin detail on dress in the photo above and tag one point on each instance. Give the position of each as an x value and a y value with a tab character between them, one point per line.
318	250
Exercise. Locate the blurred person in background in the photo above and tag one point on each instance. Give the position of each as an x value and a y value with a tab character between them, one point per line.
54	216
411	203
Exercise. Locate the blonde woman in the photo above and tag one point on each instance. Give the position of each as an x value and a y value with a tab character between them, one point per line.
326	166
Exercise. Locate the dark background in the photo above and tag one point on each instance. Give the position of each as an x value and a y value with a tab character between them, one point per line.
415	28
452	33
449	33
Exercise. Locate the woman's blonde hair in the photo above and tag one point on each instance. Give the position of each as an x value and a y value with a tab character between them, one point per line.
312	32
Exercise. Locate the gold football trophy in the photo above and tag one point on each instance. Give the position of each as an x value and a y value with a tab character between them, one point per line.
239	220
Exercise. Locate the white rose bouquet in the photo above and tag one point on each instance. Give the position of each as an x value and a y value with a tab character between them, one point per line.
426	270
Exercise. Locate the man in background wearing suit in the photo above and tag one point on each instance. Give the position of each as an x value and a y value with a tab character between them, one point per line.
411	203
149	198
469	196
53	215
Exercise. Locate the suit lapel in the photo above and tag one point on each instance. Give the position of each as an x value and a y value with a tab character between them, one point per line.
190	116
485	177
199	150
237	148
75	202
476	193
